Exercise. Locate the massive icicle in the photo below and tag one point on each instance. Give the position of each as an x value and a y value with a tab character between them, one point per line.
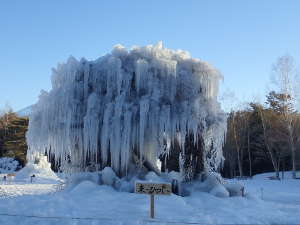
145	101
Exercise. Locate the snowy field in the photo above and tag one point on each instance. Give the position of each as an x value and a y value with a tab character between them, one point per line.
266	202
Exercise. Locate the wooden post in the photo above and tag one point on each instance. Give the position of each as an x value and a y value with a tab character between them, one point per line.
152	206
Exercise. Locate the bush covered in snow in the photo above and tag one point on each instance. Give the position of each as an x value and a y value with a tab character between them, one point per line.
8	165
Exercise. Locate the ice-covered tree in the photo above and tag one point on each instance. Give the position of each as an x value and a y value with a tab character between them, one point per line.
149	106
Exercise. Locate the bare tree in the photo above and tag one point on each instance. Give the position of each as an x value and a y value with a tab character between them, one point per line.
240	130
285	79
247	123
269	141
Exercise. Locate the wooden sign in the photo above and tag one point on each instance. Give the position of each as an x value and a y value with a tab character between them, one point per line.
153	189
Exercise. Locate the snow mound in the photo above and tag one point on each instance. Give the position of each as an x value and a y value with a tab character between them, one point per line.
108	176
8	165
211	183
40	168
214	184
219	191
262	176
76	178
84	187
235	189
152	177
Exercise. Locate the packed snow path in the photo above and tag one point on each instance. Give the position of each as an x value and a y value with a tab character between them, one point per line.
88	203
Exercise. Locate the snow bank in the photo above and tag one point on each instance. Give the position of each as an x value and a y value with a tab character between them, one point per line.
84	187
211	183
286	175
108	177
214	184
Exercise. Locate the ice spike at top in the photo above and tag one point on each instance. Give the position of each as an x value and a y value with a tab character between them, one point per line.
139	101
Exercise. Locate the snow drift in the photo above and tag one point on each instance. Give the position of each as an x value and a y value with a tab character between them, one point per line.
148	106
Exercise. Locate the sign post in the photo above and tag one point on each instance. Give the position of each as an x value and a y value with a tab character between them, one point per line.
152	206
153	189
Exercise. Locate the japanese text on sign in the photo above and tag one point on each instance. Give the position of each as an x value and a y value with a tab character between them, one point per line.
153	188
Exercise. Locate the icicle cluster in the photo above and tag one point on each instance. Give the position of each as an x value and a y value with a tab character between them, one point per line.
139	101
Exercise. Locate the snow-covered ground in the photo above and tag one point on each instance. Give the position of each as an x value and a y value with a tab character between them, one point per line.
266	202
9	190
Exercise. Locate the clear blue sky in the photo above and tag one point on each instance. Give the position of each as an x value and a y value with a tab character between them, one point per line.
241	38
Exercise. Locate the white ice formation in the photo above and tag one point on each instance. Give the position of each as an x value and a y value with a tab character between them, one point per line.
143	101
38	166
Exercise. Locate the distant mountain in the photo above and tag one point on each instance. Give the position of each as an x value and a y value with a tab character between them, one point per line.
25	112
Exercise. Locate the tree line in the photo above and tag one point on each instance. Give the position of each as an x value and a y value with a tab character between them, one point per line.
266	137
12	136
